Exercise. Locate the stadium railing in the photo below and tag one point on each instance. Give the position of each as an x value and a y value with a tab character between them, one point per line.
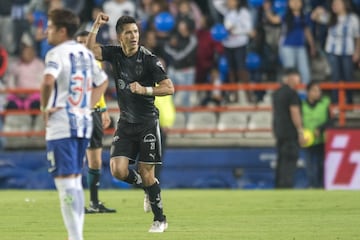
339	109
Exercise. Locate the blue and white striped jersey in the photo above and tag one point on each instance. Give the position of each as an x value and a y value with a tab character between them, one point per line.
75	71
341	37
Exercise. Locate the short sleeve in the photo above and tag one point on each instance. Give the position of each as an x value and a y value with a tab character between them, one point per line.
294	99
157	69
108	52
53	64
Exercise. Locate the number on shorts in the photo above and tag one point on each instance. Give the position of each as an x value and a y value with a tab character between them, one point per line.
51	159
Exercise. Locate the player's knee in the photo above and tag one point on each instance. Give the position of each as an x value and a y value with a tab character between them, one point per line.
117	170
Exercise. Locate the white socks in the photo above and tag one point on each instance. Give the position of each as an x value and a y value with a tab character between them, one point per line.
72	205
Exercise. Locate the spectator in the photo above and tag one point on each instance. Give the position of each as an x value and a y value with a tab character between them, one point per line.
6	40
37	6
187	9
150	41
38	19
157	7
103	36
26	73
214	96
342	43
76	6
206	52
238	22
288	128
20	22
143	12
316	118
296	27
259	47
116	8
182	51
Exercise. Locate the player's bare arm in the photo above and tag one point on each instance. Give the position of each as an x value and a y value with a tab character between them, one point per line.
165	87
47	86
101	19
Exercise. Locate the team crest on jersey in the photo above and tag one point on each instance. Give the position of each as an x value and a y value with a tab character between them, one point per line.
138	69
121	84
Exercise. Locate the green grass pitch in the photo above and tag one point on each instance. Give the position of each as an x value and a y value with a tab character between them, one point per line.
192	214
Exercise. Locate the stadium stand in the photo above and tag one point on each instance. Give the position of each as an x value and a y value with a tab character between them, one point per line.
201	121
259	120
229	121
180	123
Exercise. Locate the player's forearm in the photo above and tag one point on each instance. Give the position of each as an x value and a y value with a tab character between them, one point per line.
164	88
91	39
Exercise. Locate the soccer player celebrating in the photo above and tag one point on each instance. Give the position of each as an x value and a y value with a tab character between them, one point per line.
72	84
139	77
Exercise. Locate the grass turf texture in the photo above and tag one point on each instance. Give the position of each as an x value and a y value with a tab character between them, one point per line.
192	214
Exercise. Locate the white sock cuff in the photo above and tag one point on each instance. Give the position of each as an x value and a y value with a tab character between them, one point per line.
65	183
79	185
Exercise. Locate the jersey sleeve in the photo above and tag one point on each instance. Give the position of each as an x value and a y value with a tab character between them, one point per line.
294	99
157	69
99	75
53	64
108	52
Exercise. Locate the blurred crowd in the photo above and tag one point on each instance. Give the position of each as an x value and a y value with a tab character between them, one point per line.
203	41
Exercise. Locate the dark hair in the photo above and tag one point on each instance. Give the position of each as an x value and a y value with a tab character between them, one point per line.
290	71
289	18
333	16
83	33
63	18
311	84
123	20
243	4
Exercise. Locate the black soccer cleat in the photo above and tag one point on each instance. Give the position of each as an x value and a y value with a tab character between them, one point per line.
98	208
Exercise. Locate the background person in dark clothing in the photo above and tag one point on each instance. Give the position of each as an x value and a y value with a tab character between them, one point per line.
288	130
139	77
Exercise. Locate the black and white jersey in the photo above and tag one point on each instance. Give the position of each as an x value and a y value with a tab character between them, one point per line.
143	67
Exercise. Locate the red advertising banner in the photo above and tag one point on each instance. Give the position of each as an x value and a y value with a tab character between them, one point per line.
342	160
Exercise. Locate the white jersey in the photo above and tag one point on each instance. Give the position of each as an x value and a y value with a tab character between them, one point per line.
239	21
342	36
75	71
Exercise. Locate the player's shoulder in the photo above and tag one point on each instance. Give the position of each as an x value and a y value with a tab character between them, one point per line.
111	48
146	52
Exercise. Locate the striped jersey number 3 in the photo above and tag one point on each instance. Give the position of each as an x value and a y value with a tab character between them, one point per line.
78	81
76	86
